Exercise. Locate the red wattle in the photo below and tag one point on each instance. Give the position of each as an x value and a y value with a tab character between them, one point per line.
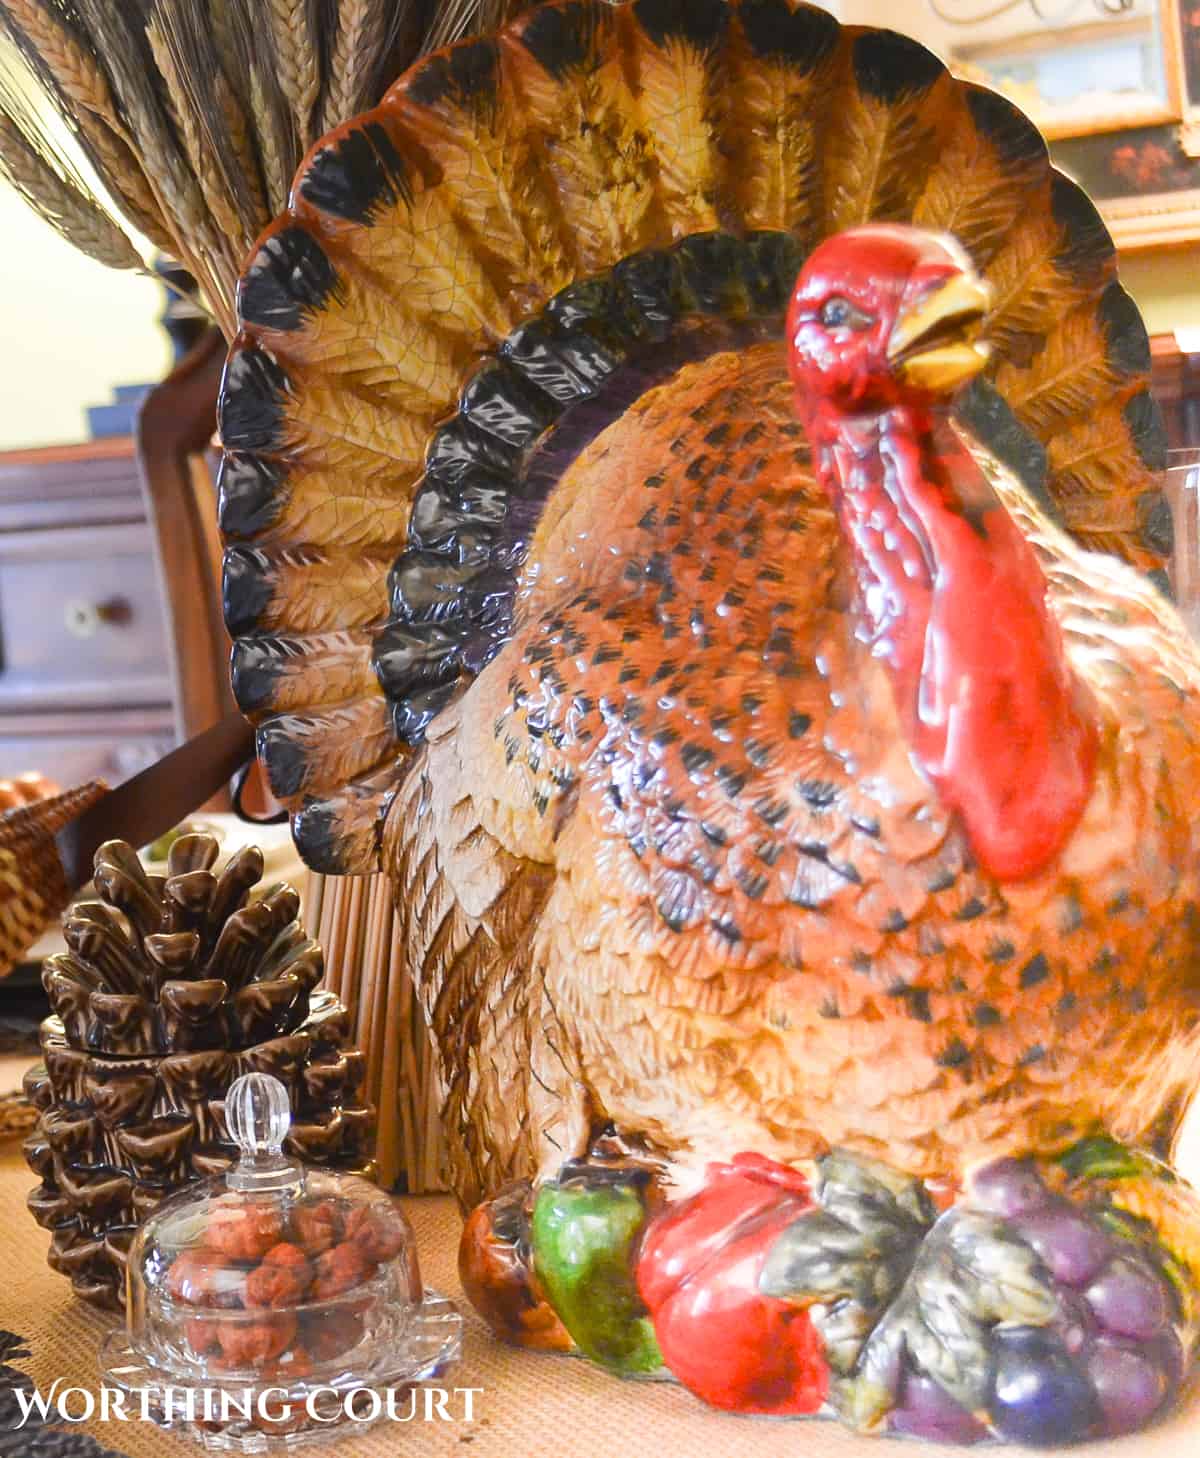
955	602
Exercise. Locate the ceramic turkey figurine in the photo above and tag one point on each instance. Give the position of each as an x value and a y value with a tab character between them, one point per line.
789	808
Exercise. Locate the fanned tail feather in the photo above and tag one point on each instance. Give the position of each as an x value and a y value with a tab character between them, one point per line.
493	246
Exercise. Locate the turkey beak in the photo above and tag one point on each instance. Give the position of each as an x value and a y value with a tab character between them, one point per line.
934	344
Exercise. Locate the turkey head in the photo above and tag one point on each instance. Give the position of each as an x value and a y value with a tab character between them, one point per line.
884	330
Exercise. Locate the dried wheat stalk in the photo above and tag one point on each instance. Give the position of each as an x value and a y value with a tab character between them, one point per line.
365	967
199	156
76	72
272	145
298	58
117	166
81	80
196	113
63	205
241	148
362	26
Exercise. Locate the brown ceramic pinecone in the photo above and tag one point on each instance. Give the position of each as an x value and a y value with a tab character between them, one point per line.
174	986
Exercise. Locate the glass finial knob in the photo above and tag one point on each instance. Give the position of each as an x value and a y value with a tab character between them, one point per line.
258	1115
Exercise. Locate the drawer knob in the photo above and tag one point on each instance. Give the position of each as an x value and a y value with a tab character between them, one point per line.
83	619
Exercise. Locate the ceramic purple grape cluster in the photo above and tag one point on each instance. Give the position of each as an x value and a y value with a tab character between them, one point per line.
1108	1354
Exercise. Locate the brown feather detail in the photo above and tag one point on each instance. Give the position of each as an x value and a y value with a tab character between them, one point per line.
337	424
877	155
321	669
366	336
773	128
586	141
1069	373
488	158
329	747
351	815
973	192
1098	478
351	501
417	244
313	591
1030	293
680	112
467	906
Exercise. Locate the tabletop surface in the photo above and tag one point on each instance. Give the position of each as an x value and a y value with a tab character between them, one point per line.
525	1404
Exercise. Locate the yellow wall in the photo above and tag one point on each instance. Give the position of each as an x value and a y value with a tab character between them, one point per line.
70	330
1166	287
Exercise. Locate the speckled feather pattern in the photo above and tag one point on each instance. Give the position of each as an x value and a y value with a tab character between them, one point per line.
753	923
665	860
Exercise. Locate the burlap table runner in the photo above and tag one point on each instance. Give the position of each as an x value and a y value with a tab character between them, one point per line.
529	1405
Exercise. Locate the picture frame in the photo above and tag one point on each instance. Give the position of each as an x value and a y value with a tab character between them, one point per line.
1072	74
1139	161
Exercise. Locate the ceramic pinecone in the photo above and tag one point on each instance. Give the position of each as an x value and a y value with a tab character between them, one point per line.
173	987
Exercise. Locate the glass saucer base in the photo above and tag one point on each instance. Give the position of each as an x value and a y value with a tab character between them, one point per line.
239	1416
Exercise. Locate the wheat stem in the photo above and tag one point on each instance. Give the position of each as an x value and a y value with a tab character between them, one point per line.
270	145
82	82
71	212
242	151
362	25
120	172
299	67
186	118
78	74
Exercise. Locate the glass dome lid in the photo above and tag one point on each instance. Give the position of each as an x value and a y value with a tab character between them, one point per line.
271	1305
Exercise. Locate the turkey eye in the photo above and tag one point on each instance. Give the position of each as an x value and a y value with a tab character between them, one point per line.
838	313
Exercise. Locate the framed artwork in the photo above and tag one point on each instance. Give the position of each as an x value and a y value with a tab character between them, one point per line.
1114	85
1078	67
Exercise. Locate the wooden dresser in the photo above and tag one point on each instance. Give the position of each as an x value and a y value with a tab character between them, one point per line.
85	671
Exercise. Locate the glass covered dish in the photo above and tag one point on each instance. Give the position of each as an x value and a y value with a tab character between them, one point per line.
274	1304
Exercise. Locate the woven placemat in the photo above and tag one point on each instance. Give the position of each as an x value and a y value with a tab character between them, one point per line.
529	1405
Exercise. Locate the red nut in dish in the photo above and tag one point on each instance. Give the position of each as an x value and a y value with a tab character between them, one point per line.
341	1269
332	1333
292	1258
251	1344
377	1232
201	1333
245	1233
193	1277
317	1227
278	1283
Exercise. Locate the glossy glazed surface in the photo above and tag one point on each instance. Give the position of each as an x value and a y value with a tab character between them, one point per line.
713	857
172	988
